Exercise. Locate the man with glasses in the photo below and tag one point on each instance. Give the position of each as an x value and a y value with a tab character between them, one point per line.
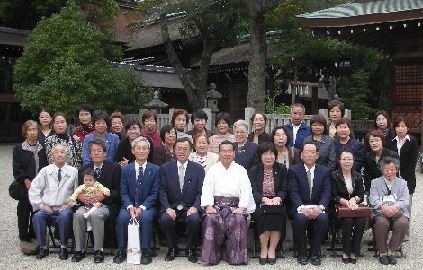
181	182
138	190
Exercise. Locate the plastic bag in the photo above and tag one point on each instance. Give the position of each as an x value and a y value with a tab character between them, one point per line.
134	250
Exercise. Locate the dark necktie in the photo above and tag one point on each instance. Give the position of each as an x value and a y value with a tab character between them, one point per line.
138	186
97	172
59	175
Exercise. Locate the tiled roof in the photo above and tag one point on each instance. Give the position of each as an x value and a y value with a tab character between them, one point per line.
362	8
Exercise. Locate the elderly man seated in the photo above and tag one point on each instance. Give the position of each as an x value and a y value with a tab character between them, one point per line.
227	198
389	198
49	194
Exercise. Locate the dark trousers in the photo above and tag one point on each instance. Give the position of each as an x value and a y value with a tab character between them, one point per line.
146	220
352	233
316	228
42	218
193	226
24	212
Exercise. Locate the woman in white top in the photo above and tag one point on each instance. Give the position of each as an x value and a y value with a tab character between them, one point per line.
201	155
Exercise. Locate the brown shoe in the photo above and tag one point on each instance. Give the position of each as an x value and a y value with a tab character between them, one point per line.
28	248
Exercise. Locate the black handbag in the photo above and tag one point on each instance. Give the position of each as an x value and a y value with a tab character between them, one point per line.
272	209
17	190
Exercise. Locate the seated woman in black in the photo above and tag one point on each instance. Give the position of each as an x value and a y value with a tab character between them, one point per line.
348	190
269	185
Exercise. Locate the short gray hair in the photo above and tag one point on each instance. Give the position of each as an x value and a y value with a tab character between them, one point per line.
240	122
138	140
388	160
59	146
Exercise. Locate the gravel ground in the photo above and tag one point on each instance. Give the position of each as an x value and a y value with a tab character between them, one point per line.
11	257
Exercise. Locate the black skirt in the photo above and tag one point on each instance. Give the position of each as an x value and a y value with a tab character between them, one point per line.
270	222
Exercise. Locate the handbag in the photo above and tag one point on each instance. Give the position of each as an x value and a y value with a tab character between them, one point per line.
17	190
363	211
272	209
134	251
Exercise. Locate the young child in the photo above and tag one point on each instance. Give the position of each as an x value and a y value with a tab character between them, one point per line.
90	187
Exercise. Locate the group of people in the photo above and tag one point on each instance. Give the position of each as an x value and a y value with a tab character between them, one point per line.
209	187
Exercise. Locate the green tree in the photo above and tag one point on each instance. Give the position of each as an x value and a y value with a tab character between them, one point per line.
66	62
207	22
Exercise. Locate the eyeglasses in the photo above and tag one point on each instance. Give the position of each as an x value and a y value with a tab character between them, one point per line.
347	159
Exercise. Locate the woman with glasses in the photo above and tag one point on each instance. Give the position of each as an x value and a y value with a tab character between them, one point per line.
348	190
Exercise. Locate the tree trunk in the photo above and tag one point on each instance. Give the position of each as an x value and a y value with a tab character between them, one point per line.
257	65
190	83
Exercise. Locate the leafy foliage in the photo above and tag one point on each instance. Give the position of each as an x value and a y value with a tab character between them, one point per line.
65	63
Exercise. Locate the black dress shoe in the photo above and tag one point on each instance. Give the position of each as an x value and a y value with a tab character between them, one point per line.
384	260
392	259
345	260
315	260
171	254
191	255
120	256
303	260
145	257
78	256
262	261
42	253
98	256
63	254
271	261
353	260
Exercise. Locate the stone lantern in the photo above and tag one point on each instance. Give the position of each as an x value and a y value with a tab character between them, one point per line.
212	98
156	104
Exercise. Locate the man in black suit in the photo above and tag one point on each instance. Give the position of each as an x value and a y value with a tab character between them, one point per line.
108	174
180	187
309	192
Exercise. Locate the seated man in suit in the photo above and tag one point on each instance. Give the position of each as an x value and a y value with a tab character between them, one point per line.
309	192
108	174
181	182
138	190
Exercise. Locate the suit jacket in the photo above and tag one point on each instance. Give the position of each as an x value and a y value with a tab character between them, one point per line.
303	132
170	195
256	175
212	158
399	188
149	186
298	188
112	142
124	150
110	178
246	156
24	163
408	161
339	188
